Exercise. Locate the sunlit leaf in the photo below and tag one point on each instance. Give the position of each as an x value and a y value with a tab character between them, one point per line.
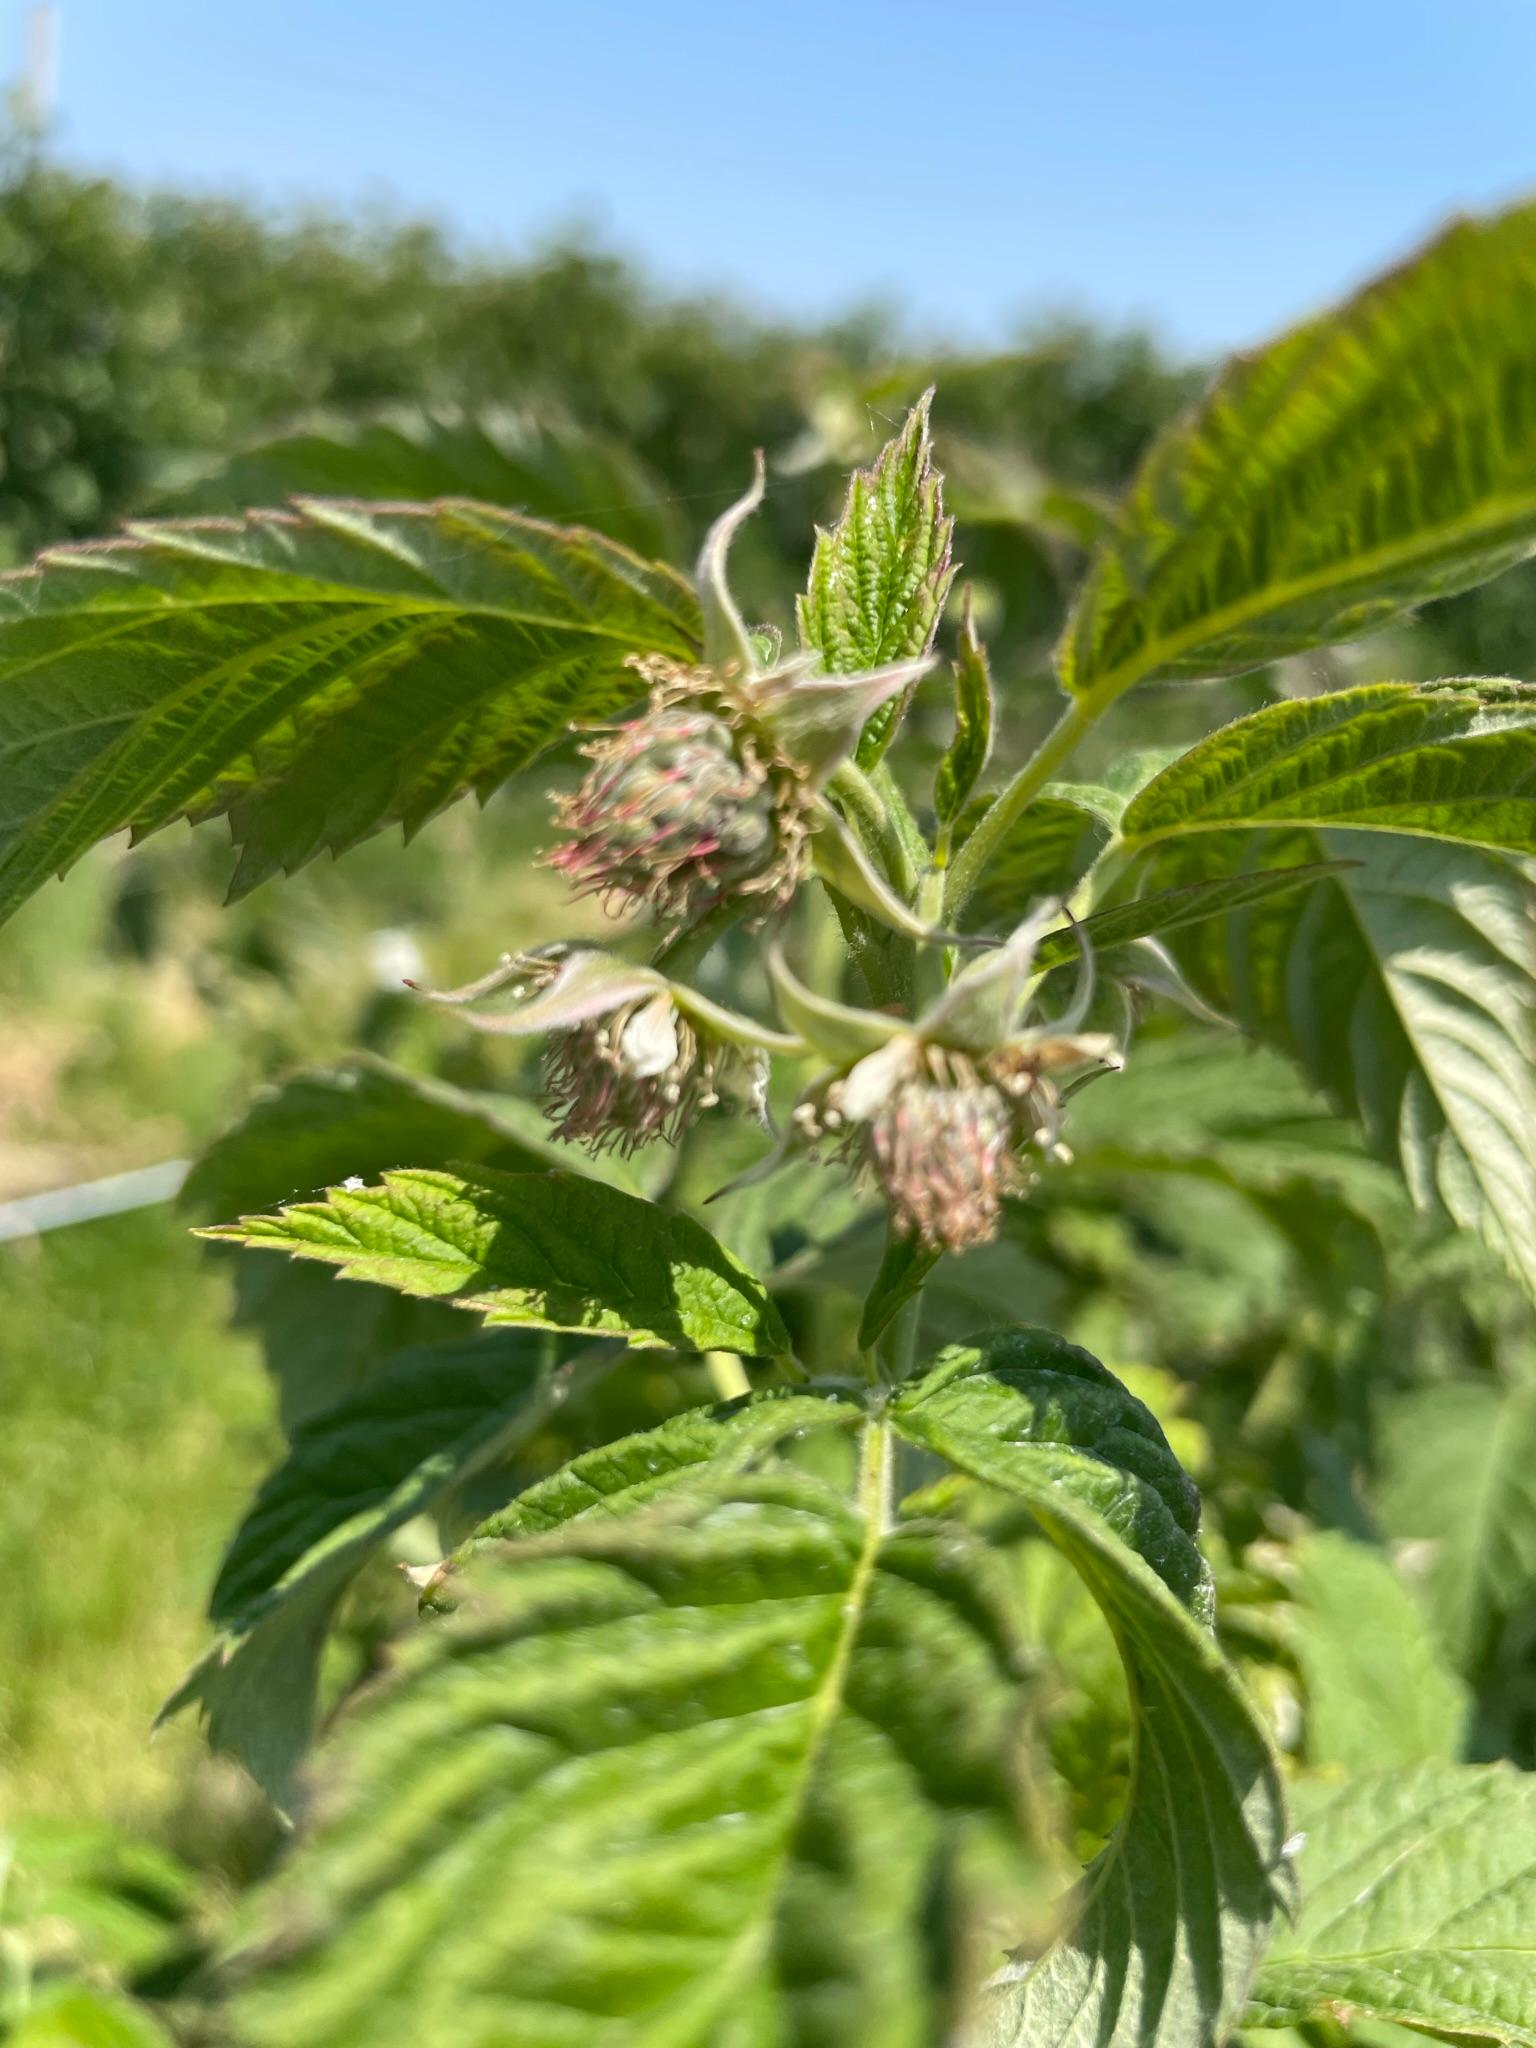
880	576
1378	1690
1454	761
1404	985
1179	1906
548	1251
965	759
314	675
1419	1906
1377	456
541	465
684	1779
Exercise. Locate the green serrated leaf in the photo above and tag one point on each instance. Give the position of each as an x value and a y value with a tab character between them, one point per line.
353	1476
1404	986
548	1251
1446	762
355	1120
539	465
1419	1906
1178	1908
1168	910
1378	456
1378	1691
904	1266
880	576
314	675
1458	1473
965	759
634	1471
688	1780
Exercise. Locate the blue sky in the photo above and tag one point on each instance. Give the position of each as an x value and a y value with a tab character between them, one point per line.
1213	169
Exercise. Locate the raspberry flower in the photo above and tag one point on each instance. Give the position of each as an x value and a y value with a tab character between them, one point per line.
947	1112
714	793
631	1056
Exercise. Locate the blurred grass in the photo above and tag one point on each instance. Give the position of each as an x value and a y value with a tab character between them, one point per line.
132	1427
137	1017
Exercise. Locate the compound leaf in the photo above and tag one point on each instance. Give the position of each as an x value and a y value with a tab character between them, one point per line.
353	1122
1419	1906
1455	761
1179	1906
1378	456
538	464
545	1250
687	1779
354	1474
313	675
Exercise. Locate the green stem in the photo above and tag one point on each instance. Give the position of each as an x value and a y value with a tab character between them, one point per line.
934	964
1010	804
891	794
896	1348
877	825
875	1476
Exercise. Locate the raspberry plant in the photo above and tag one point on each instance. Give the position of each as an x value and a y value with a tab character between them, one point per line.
717	1729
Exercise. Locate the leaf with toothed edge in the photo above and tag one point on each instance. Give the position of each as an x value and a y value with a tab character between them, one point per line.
1178	1908
965	760
313	675
543	1250
354	1474
880	576
696	1779
1452	760
1405	985
1371	459
1418	1906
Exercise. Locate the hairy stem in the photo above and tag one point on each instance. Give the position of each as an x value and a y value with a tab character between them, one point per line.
899	811
877	825
1011	803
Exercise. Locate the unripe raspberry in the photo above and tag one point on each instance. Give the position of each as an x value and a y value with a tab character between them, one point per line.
671	815
683	808
942	1132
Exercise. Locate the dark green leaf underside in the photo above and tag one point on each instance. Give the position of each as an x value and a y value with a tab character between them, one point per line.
353	1476
1177	1910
